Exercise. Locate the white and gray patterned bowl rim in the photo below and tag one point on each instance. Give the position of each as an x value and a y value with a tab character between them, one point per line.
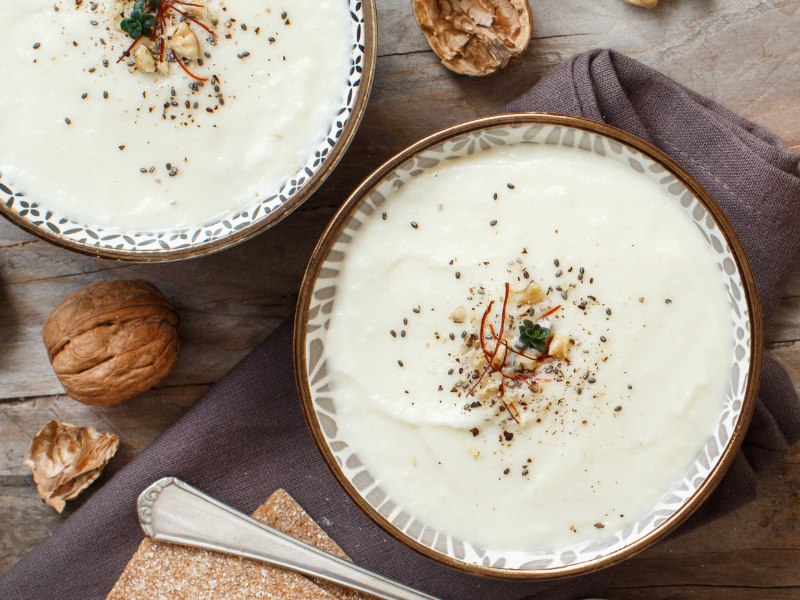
34	216
316	300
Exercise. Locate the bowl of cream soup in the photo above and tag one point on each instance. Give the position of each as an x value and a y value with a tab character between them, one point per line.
164	129
528	346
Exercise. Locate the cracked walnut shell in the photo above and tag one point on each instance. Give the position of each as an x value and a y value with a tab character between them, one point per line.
475	37
112	340
66	459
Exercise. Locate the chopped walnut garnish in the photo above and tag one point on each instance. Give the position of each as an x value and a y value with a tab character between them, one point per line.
143	59
459	315
197	8
66	459
560	345
531	294
184	42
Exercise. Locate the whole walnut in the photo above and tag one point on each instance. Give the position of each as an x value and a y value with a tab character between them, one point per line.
112	340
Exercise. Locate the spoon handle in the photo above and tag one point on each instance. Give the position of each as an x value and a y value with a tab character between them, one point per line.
171	510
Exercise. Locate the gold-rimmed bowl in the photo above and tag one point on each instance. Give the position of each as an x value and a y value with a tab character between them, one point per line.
318	395
34	216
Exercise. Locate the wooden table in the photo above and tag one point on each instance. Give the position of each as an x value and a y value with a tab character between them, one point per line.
742	53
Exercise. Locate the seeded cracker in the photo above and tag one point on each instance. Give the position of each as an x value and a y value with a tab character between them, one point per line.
167	571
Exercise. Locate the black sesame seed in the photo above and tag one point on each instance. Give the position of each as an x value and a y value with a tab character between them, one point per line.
474	432
556	262
559	273
67	121
506	471
415	225
458	274
603	338
36	46
493	222
393	333
617	408
400	362
608	311
667	301
510	186
383	216
508	435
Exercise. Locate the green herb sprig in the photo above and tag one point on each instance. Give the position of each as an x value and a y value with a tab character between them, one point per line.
534	335
140	22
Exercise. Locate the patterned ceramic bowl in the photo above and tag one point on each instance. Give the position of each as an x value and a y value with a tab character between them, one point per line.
33	215
318	295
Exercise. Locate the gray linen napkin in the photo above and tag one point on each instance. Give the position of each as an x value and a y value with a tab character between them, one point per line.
247	437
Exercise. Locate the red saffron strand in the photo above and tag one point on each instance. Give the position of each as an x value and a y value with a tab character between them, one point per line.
127	52
549	312
186	69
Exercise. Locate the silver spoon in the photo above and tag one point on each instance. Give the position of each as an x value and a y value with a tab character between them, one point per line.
171	510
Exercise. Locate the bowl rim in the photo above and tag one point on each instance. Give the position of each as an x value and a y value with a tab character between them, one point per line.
728	454
370	54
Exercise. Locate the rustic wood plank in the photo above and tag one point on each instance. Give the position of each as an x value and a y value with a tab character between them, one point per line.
26	520
738	556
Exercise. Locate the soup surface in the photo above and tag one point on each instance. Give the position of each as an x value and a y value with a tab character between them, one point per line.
528	346
114	145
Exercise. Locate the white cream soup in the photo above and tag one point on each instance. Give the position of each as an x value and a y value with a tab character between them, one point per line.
507	445
117	146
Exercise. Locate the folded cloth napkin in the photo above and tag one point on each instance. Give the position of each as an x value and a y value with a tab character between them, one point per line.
247	436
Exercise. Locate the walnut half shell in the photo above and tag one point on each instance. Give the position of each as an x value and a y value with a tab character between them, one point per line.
66	459
112	340
475	37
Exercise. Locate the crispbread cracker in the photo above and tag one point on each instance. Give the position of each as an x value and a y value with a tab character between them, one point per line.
158	570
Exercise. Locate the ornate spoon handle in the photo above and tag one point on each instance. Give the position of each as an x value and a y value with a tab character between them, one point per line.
171	510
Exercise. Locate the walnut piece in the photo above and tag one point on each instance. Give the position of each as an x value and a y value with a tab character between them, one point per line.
66	459
459	314
112	340
530	294
184	42
196	8
143	59
475	37
560	345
